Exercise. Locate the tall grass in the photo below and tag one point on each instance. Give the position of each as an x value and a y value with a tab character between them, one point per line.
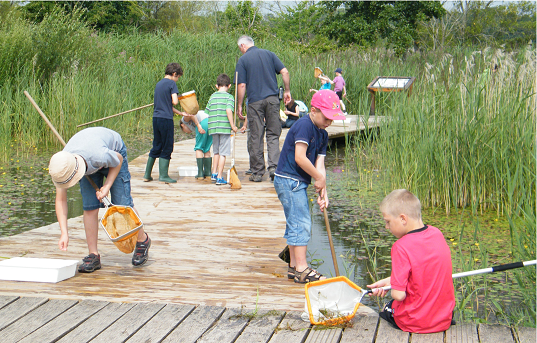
465	138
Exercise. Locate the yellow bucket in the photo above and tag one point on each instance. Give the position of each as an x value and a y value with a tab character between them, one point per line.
317	72
189	103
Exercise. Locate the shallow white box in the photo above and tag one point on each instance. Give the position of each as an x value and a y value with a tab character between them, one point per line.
346	121
188	171
37	269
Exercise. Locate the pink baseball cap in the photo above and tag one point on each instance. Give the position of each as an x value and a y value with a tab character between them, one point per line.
327	102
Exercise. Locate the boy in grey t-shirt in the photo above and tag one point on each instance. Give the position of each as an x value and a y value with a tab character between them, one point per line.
101	154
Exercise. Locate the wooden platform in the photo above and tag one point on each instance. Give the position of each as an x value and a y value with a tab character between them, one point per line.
40	320
214	254
210	245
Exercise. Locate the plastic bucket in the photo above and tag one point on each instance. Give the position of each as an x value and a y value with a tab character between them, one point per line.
189	102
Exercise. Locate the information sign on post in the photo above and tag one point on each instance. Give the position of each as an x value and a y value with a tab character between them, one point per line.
389	84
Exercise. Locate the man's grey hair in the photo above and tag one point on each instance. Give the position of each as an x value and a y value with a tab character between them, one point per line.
246	40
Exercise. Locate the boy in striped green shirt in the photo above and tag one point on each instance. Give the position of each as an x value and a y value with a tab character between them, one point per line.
220	111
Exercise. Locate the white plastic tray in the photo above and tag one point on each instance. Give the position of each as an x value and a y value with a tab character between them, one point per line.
188	171
346	121
37	269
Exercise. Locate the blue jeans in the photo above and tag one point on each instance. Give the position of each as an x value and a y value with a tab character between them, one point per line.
120	190
294	199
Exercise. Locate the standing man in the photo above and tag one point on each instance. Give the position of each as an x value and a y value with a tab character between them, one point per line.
257	69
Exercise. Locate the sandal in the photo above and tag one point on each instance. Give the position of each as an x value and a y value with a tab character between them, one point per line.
290	272
307	275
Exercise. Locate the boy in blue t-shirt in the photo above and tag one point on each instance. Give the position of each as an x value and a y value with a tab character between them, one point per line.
166	96
301	158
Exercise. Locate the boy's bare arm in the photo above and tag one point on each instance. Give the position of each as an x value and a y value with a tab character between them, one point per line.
198	124
175	99
229	113
110	178
184	114
308	167
61	215
325	78
379	292
322	200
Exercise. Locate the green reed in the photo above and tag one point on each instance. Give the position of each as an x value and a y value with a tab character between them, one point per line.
465	139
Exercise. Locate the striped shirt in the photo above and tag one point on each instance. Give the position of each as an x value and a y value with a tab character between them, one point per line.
216	110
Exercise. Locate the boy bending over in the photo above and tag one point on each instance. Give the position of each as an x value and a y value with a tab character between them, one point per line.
421	282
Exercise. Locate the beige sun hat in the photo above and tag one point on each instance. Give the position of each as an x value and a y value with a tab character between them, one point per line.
66	169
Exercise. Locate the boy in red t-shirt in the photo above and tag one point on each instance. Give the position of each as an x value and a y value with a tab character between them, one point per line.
421	282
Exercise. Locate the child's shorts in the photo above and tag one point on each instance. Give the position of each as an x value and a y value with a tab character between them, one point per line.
221	144
120	191
203	141
294	199
387	314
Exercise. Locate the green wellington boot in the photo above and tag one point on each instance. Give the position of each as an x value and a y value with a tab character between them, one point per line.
163	166
200	175
148	169
207	166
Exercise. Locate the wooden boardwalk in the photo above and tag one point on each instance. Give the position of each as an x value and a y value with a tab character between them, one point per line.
214	254
42	320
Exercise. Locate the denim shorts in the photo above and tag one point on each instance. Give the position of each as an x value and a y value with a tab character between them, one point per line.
120	191
294	199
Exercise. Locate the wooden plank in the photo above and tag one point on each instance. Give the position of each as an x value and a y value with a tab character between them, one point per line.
388	334
437	337
6	300
462	333
494	333
162	323
65	322
227	329
97	323
526	335
18	309
35	319
292	329
363	330
201	319
320	334
128	324
261	328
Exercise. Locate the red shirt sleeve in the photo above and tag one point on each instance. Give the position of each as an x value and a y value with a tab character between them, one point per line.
400	268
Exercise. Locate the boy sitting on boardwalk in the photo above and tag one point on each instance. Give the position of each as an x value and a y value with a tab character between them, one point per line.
220	111
200	124
301	158
422	286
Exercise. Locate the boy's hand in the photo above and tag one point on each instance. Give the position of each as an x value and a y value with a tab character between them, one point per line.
243	128
378	292
322	200
319	184
63	242
234	128
201	130
101	193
